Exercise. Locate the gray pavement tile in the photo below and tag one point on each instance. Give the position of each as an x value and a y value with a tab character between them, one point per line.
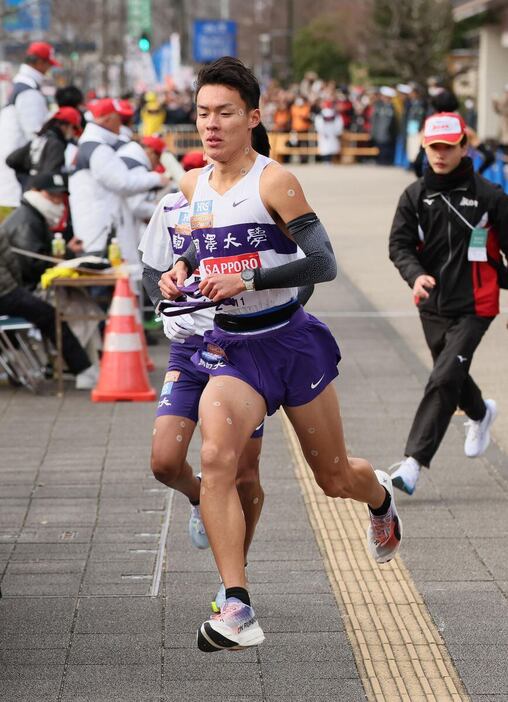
118	615
477	619
443	559
42	567
24	639
131	683
116	570
134	588
63	550
200	689
305	647
493	553
32	656
40	584
134	534
55	512
27	683
483	684
478	652
308	683
66	491
42	616
112	649
55	535
124	551
221	669
16	491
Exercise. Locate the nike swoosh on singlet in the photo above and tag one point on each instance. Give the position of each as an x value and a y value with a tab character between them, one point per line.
314	385
235	204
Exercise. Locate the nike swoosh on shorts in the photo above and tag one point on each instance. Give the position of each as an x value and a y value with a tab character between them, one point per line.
314	385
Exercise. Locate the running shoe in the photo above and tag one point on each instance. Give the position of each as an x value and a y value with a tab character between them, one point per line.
406	476
234	628
478	433
384	533
220	599
197	530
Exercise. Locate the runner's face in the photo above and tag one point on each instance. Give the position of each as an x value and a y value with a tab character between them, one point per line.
224	122
444	158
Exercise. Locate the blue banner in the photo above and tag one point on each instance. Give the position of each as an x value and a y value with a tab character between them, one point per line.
213	39
27	15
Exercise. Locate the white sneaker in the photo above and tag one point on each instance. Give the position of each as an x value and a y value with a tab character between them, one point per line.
235	627
478	433
407	474
197	530
384	533
87	379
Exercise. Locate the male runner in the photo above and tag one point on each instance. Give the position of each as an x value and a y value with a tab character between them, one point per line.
248	214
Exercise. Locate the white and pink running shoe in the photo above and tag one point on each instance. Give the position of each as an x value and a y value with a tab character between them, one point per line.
384	533
234	628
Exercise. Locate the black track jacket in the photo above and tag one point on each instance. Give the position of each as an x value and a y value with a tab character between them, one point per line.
428	238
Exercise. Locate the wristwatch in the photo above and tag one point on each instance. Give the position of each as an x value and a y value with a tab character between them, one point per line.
248	278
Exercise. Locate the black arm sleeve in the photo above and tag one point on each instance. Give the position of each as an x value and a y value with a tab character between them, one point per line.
304	294
404	241
151	279
318	266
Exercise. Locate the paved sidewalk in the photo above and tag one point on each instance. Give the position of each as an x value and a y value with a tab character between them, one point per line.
81	520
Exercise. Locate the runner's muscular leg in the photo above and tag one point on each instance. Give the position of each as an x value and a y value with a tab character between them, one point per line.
249	488
170	443
229	410
318	425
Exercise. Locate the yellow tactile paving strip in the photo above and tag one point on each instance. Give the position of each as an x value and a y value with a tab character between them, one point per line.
399	653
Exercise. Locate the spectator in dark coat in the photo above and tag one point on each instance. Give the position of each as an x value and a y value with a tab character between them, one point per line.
384	126
28	228
46	152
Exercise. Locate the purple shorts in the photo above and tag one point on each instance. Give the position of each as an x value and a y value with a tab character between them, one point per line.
287	366
184	383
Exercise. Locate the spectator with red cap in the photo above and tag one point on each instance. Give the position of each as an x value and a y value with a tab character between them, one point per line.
102	178
447	239
22	117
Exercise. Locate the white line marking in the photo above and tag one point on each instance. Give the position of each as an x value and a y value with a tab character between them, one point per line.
154	590
375	314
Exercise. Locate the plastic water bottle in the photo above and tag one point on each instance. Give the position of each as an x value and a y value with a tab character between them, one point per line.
58	246
114	252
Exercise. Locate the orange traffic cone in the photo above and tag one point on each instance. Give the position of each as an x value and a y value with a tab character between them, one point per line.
123	373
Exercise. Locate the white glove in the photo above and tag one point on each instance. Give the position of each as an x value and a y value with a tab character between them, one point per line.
179	328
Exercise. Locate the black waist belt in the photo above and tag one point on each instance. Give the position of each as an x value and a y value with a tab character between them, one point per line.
244	323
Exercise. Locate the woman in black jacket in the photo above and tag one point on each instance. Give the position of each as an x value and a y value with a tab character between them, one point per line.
46	152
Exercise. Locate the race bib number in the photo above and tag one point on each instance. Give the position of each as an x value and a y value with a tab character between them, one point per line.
477	250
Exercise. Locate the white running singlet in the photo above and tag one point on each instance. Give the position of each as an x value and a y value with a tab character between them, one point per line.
234	231
167	237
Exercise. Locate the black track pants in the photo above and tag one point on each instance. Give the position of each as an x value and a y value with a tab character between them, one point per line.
452	342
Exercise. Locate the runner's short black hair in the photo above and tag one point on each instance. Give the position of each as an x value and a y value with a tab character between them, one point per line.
234	74
260	140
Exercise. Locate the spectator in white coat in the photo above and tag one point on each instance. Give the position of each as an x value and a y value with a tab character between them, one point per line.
23	116
102	178
137	209
329	126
